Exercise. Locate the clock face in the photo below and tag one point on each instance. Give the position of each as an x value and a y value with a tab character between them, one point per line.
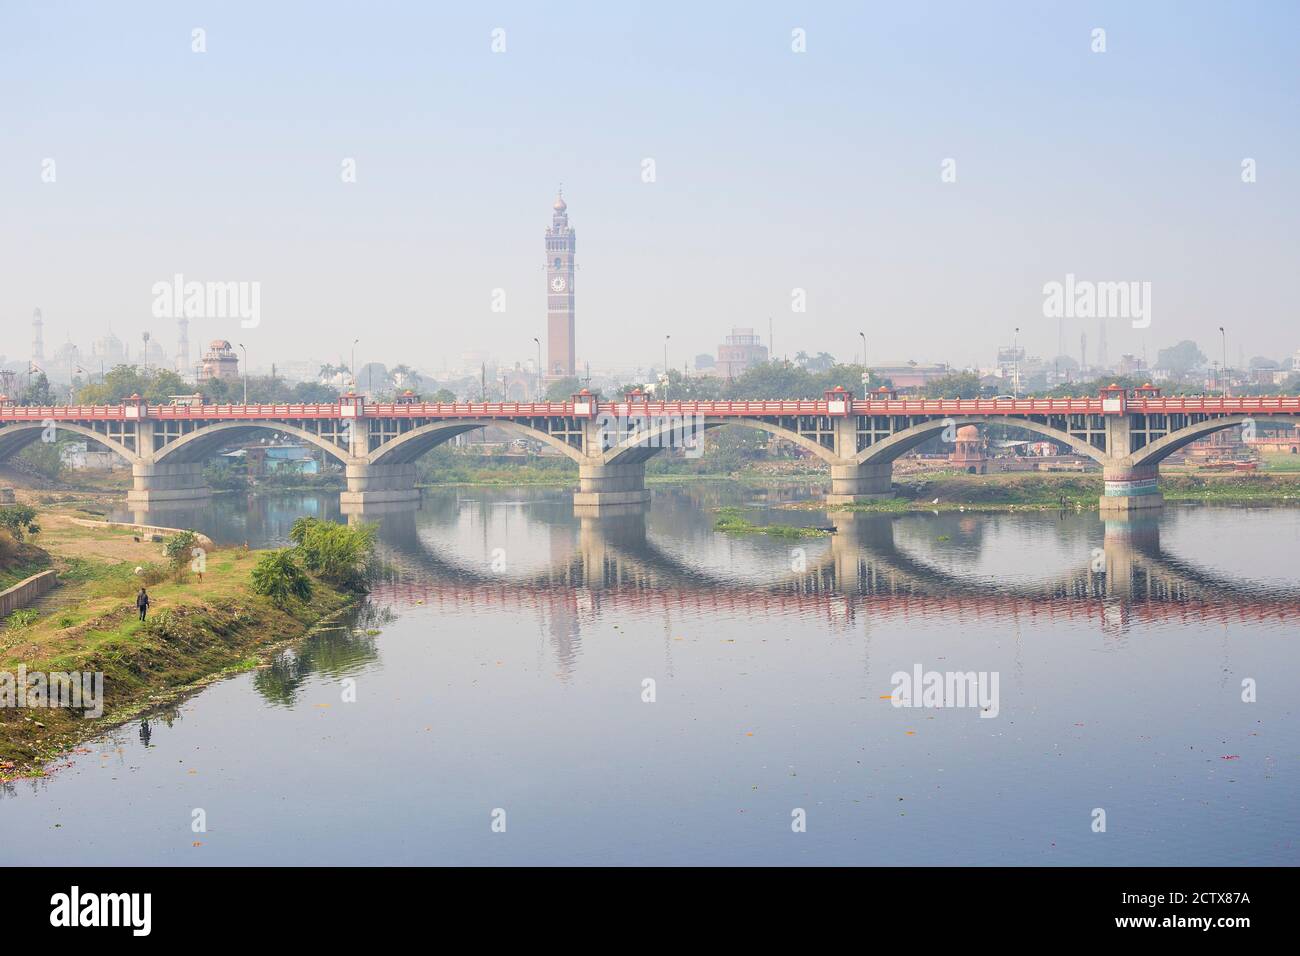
558	284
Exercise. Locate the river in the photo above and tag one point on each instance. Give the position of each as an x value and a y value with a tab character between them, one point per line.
533	687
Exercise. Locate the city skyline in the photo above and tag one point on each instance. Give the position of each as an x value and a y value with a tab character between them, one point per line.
828	192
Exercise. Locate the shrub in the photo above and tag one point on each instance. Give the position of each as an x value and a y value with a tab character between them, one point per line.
9	548
19	520
337	553
21	619
278	576
179	549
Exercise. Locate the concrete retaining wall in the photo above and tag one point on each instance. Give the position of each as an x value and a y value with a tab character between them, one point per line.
144	530
25	592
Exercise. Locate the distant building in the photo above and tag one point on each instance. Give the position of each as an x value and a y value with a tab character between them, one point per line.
704	362
561	248
968	451
109	352
740	351
219	361
909	374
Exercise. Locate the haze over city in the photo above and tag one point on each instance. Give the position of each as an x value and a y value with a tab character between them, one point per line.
773	171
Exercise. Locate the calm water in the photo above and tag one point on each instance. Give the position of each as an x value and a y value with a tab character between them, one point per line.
514	640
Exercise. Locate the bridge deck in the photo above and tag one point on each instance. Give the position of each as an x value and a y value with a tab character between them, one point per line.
1248	405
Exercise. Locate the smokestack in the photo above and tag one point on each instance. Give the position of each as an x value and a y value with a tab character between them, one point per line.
38	337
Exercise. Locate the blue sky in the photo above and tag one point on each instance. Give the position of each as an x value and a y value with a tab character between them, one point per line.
775	171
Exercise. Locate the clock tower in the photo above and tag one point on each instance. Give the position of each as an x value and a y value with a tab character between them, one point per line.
561	243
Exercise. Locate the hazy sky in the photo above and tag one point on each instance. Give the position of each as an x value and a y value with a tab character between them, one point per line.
775	170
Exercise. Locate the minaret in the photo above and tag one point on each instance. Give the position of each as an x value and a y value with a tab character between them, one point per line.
561	244
183	347
38	337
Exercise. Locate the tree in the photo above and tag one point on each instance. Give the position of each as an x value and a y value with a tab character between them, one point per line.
157	385
179	548
19	520
953	385
822	362
313	393
277	575
561	389
339	554
1180	359
37	391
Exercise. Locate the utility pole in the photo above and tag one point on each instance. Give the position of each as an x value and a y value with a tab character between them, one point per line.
539	367
666	338
245	351
1015	364
1224	337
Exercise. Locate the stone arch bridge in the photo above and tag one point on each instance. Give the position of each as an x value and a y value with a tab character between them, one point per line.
1127	432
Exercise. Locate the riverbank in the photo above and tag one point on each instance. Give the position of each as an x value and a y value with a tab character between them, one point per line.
197	631
1034	491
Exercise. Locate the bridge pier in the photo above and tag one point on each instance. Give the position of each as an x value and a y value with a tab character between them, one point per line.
602	485
153	483
370	484
852	482
1131	489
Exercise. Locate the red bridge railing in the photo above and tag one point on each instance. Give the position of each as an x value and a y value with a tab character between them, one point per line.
1259	405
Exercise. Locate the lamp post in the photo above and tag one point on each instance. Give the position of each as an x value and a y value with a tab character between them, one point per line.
666	338
1015	364
863	336
354	364
1223	336
245	351
539	367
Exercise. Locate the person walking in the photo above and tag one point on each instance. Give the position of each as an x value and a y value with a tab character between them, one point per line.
142	602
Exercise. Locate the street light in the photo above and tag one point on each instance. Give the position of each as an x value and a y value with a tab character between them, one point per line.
354	364
863	336
539	366
666	338
241	345
1015	364
1224	337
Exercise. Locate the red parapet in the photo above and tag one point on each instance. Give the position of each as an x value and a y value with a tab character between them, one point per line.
1142	401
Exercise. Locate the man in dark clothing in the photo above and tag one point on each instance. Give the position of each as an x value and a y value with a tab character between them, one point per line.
142	602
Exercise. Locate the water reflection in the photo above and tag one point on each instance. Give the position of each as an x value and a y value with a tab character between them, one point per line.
334	650
510	674
458	550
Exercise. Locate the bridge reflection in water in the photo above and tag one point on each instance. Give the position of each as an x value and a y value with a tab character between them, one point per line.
853	576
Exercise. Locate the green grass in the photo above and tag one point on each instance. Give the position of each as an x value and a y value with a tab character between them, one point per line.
733	521
196	632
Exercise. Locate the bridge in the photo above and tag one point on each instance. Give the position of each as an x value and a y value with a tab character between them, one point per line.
1127	432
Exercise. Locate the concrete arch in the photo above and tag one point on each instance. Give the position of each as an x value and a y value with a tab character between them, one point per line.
902	442
17	436
1162	448
409	446
203	442
637	452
